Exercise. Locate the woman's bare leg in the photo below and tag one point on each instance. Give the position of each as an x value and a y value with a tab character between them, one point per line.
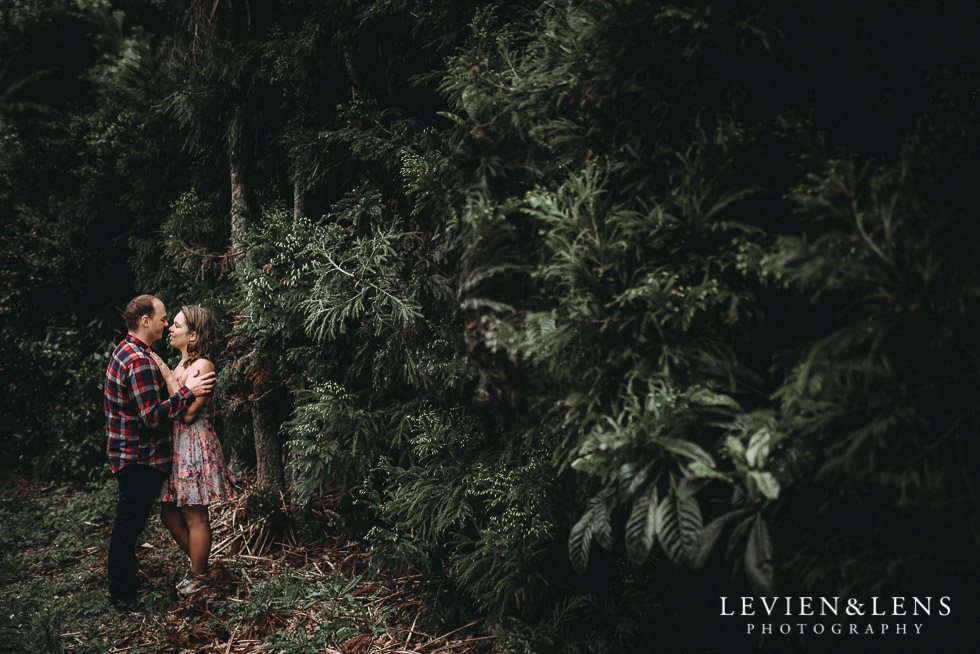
199	536
171	517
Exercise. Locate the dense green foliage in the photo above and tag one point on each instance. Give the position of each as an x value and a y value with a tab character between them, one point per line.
680	297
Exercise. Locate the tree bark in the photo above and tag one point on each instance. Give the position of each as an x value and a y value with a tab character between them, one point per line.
299	200
353	72
299	510
268	452
240	210
265	432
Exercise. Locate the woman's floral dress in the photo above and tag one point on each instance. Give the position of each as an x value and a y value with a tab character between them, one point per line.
199	474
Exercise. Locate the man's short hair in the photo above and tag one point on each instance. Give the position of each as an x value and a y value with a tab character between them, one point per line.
139	306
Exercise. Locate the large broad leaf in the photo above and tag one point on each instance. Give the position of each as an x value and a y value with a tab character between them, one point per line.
687	449
758	450
690	486
689	512
593	525
641	528
678	524
705	397
701	470
634	476
453	117
602	519
580	542
766	483
758	557
591	463
737	537
709	536
668	529
735	447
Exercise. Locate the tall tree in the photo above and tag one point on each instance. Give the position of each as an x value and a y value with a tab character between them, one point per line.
217	52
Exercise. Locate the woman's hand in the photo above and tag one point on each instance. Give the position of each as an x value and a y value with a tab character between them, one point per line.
168	375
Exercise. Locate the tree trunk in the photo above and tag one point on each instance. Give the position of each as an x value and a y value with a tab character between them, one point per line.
299	200
299	510
268	451
240	210
354	73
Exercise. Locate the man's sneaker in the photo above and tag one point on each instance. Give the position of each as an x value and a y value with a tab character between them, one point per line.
129	604
190	585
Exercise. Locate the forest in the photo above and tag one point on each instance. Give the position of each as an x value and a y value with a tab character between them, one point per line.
582	313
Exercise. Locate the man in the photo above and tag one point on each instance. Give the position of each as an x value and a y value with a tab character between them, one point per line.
137	419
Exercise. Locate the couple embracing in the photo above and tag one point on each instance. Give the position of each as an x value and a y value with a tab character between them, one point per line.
160	445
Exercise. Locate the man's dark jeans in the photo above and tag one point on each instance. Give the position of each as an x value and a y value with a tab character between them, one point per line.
139	486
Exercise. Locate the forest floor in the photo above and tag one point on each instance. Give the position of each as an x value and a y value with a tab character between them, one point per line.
268	590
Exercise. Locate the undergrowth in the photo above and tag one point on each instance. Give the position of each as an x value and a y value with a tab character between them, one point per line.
53	596
52	559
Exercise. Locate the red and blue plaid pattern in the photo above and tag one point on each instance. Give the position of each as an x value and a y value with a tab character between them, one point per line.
136	412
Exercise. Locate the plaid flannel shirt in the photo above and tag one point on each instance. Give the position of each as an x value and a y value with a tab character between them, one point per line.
137	413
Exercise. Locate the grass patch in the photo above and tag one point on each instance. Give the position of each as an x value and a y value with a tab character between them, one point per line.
52	558
291	597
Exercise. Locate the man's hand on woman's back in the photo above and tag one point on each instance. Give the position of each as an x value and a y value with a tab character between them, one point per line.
200	384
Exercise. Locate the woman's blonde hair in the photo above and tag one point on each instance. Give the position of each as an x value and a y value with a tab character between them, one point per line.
199	321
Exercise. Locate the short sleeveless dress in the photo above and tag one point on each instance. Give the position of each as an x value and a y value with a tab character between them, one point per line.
199	474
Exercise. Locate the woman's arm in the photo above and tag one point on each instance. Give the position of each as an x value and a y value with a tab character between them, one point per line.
199	367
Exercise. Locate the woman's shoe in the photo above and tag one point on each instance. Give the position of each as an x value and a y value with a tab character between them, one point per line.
190	585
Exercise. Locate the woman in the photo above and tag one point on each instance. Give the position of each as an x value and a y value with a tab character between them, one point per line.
199	476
